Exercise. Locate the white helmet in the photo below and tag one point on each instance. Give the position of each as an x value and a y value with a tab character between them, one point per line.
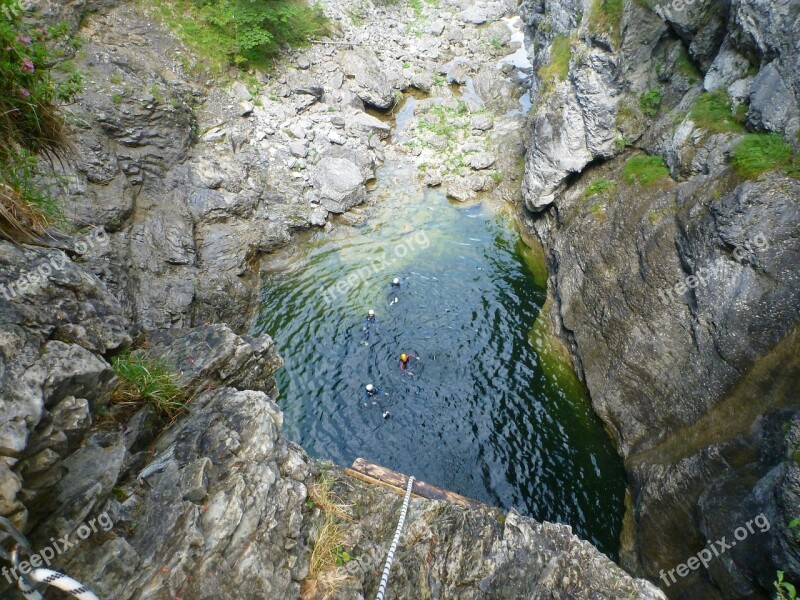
369	387
395	281
371	313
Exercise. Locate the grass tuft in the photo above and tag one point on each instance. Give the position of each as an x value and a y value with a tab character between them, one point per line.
761	152
605	16
712	111
558	67
31	125
645	169
144	379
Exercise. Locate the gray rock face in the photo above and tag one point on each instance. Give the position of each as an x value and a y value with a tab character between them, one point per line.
678	300
339	183
369	79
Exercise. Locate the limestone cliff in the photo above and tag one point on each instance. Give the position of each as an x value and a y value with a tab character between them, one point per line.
677	299
181	182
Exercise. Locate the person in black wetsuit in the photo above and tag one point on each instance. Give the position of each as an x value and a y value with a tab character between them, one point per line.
394	289
370	324
372	396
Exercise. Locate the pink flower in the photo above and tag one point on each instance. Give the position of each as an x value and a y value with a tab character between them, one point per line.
24	92
27	65
23	40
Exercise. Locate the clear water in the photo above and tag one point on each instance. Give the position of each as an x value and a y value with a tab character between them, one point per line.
489	414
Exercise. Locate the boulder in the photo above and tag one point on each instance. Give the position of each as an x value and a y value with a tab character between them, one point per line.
339	183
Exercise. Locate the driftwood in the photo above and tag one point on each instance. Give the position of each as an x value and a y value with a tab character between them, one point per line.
397	482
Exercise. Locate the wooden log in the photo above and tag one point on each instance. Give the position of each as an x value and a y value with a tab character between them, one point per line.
399	482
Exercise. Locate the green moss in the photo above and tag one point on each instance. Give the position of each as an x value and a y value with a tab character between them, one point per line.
650	102
558	67
645	169
712	111
761	152
685	66
605	16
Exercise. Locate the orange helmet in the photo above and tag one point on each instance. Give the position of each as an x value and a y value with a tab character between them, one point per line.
403	357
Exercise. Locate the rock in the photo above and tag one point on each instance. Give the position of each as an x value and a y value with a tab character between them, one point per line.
773	106
369	78
299	148
215	134
240	92
457	71
474	14
481	122
339	183
481	160
459	189
246	109
226	360
336	138
436	27
368	124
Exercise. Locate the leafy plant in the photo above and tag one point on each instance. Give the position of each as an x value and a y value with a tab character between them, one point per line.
650	102
601	185
242	32
786	591
712	111
645	169
760	152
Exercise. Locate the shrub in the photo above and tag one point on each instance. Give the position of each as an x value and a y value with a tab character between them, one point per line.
645	169
760	152
30	123
243	32
144	379
712	111
650	102
605	16
558	67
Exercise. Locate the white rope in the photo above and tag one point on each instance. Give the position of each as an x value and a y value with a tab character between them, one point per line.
390	557
57	580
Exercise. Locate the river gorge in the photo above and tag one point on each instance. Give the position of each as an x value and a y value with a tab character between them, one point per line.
598	282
